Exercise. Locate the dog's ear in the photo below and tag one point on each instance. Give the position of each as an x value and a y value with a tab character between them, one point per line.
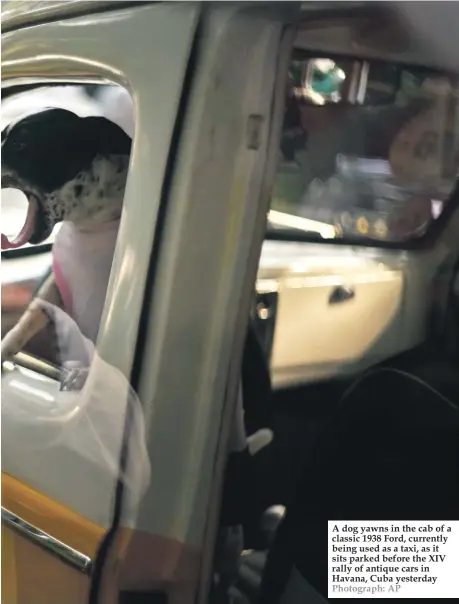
45	148
106	137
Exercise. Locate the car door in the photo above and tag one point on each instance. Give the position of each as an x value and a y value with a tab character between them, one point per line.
348	210
57	498
337	309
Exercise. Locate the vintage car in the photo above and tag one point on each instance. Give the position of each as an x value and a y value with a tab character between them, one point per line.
328	223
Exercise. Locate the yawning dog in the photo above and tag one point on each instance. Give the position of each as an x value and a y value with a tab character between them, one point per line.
72	170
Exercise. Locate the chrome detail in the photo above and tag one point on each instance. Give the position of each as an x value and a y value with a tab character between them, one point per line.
363	81
27	361
264	319
263	312
8	367
66	553
74	380
69	378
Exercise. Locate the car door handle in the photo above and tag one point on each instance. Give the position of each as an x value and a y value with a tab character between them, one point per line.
341	294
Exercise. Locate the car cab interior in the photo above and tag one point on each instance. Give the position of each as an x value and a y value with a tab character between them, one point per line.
352	347
381	442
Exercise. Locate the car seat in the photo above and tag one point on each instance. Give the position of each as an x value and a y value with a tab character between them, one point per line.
390	453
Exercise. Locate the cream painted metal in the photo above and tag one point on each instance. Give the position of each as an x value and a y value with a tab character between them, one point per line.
27	12
315	339
213	234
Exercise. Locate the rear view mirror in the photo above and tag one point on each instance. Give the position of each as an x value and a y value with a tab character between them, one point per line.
338	80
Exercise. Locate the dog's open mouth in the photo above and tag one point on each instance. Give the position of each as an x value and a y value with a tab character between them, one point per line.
28	230
34	229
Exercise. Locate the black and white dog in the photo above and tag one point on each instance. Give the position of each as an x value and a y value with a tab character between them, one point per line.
73	171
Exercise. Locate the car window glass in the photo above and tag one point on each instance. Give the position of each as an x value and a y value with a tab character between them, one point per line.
372	168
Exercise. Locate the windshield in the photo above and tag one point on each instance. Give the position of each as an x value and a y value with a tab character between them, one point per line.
381	167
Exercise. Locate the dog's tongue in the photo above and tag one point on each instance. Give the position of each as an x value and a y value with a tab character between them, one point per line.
27	229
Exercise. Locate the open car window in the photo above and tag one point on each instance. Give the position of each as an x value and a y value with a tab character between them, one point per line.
106	100
14	203
369	151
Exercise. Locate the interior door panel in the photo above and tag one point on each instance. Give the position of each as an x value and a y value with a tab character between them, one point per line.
339	334
338	310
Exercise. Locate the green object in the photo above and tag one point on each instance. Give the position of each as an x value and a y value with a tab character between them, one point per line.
326	83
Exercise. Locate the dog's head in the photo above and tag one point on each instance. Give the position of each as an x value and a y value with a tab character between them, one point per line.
69	168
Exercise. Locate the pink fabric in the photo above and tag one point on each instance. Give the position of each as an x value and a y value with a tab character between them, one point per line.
82	261
62	286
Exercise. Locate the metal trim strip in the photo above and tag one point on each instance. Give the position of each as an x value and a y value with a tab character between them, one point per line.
64	552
